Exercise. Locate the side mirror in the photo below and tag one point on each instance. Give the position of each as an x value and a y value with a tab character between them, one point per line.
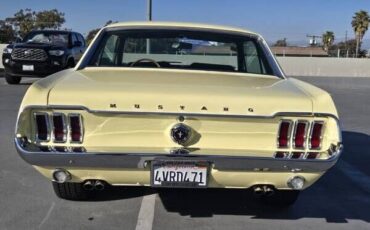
77	44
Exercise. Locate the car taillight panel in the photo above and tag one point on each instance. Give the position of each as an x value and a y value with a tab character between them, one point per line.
42	127
284	134
316	135
59	127
299	138
76	129
62	128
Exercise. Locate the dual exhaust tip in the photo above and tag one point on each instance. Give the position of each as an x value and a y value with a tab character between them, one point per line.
62	176
263	190
90	185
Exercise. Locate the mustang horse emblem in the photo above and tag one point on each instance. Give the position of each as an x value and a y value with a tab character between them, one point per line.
180	133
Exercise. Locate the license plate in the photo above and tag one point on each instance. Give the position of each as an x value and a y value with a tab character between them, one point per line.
179	174
27	68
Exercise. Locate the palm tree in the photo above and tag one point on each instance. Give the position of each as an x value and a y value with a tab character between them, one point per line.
360	24
328	39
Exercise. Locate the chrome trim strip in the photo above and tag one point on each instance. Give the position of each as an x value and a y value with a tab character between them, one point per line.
138	161
80	107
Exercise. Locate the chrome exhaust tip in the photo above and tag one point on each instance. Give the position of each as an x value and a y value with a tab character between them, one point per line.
99	185
88	185
268	191
258	191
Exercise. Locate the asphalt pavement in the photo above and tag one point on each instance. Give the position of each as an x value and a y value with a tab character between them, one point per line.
339	200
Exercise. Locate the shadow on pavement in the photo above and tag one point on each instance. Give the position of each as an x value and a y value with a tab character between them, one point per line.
334	197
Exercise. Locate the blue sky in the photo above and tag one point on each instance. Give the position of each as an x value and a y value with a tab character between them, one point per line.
292	19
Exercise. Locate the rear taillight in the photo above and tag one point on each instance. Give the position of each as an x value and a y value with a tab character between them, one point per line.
76	131
284	134
59	128
304	137
42	126
315	136
300	134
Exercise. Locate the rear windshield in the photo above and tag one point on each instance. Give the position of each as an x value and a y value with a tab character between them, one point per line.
51	37
180	50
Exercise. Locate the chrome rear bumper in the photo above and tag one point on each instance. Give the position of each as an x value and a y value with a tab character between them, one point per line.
139	161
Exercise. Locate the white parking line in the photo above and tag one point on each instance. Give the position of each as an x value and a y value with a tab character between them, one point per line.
146	213
361	179
47	214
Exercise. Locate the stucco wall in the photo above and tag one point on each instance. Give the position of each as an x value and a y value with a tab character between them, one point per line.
316	66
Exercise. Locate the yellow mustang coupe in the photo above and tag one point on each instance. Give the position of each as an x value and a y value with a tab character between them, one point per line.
178	105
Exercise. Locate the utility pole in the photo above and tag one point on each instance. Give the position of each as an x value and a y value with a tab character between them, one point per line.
149	10
149	17
345	43
313	41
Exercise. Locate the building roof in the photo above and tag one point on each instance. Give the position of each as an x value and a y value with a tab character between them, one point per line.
299	51
182	25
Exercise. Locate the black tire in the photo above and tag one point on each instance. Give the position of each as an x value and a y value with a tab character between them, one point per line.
282	198
12	80
70	191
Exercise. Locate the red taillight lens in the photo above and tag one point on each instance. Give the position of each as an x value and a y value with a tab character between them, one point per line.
315	139
75	123
284	134
59	128
300	134
42	126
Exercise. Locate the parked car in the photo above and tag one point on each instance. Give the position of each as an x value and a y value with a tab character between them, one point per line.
137	111
41	53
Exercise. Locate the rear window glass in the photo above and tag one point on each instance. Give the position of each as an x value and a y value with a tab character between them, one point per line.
180	50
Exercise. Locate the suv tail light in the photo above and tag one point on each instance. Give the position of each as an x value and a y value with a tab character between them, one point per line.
76	130
59	128
315	136
284	134
42	126
300	134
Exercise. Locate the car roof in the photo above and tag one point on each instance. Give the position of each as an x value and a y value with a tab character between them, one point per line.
55	31
181	25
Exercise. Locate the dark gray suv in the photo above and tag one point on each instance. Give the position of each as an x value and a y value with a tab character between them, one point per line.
41	53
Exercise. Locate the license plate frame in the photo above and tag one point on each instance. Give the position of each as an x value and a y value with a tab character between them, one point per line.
203	166
29	68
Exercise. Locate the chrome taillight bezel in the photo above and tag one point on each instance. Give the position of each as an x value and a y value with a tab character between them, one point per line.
65	129
72	115
47	118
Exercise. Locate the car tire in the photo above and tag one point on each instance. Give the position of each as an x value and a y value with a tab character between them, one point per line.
282	198
12	80
70	191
